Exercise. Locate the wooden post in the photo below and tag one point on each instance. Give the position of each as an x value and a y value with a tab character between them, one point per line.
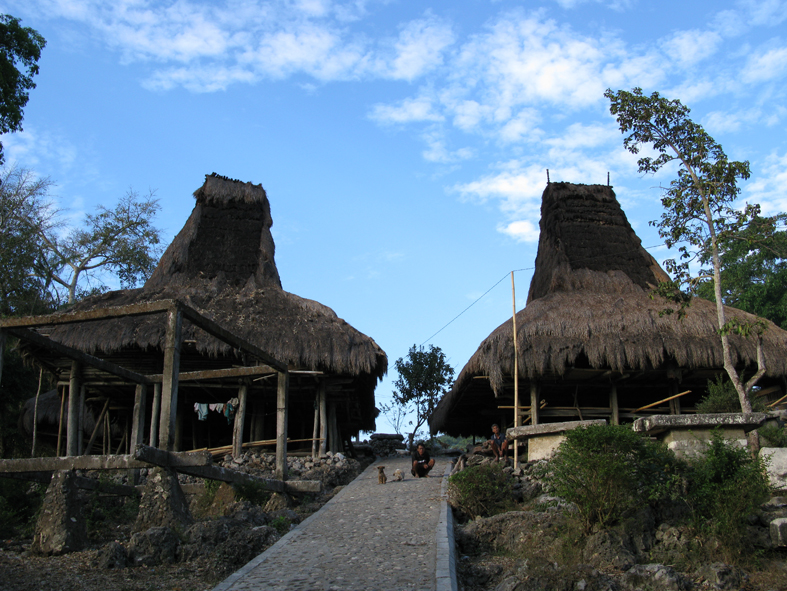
323	418
60	422
258	426
99	423
282	393
240	421
534	403
137	426
177	445
155	415
72	445
2	353
316	426
81	425
333	429
613	403
169	386
516	375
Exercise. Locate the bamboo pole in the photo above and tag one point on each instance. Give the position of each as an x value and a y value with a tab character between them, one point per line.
282	407
516	373
35	409
99	423
60	422
316	426
772	404
660	401
74	385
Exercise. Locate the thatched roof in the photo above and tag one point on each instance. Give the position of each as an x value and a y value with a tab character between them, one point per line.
589	306
222	263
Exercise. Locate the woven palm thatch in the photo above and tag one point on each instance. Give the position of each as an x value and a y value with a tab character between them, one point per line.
222	263
589	307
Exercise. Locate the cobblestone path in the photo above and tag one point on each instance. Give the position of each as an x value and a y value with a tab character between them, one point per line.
368	537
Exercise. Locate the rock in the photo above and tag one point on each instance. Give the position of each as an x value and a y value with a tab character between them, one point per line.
111	555
60	527
277	502
776	466
510	532
157	545
163	503
778	532
655	577
722	576
608	548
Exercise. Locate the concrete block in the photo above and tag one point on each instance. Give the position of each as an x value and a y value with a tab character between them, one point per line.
776	458
778	531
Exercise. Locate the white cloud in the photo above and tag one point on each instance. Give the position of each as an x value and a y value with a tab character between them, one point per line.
767	187
766	12
408	110
521	230
419	49
766	65
691	47
436	150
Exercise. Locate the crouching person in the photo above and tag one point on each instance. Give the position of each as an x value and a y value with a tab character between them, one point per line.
422	463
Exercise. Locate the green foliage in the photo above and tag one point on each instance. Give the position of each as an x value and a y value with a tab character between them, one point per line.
722	397
19	383
20	50
252	492
775	435
481	490
726	485
423	378
104	509
281	524
608	470
754	270
701	214
19	506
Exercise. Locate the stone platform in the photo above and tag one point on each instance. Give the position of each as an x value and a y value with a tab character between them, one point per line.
543	440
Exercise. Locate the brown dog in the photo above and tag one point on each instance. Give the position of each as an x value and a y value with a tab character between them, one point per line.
381	477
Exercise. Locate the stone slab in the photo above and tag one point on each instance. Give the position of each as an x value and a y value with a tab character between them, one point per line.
655	424
777	465
543	447
778	531
528	431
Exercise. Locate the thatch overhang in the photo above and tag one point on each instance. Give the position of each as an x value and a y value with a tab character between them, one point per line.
222	264
590	324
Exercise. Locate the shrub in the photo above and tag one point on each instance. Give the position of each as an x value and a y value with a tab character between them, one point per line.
726	486
281	524
775	435
722	397
608	470
481	490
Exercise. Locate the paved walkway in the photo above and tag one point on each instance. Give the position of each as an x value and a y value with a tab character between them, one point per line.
368	537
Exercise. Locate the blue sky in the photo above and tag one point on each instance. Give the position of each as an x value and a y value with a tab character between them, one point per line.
403	144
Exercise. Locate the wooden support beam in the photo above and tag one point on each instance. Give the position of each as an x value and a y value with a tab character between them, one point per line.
316	425
95	314
138	425
2	353
323	419
81	425
169	388
168	459
282	407
60	420
72	426
240	420
613	404
155	415
534	403
218	374
110	368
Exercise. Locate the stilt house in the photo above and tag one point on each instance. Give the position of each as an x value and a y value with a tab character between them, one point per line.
211	351
591	342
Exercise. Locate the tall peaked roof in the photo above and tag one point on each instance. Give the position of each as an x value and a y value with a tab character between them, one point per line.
584	228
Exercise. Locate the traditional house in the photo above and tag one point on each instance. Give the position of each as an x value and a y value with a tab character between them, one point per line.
591	342
213	318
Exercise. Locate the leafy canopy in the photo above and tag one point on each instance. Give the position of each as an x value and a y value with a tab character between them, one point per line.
700	213
20	50
423	378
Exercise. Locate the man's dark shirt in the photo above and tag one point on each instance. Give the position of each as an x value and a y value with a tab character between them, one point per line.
421	459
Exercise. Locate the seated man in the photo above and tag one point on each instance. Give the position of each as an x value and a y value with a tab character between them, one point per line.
422	463
499	443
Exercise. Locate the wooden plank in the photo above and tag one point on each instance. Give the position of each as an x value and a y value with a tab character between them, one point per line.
218	374
169	459
96	314
282	407
75	355
223	334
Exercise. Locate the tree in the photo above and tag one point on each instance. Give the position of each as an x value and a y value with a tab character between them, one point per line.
23	197
121	240
60	264
20	50
699	207
423	378
754	271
